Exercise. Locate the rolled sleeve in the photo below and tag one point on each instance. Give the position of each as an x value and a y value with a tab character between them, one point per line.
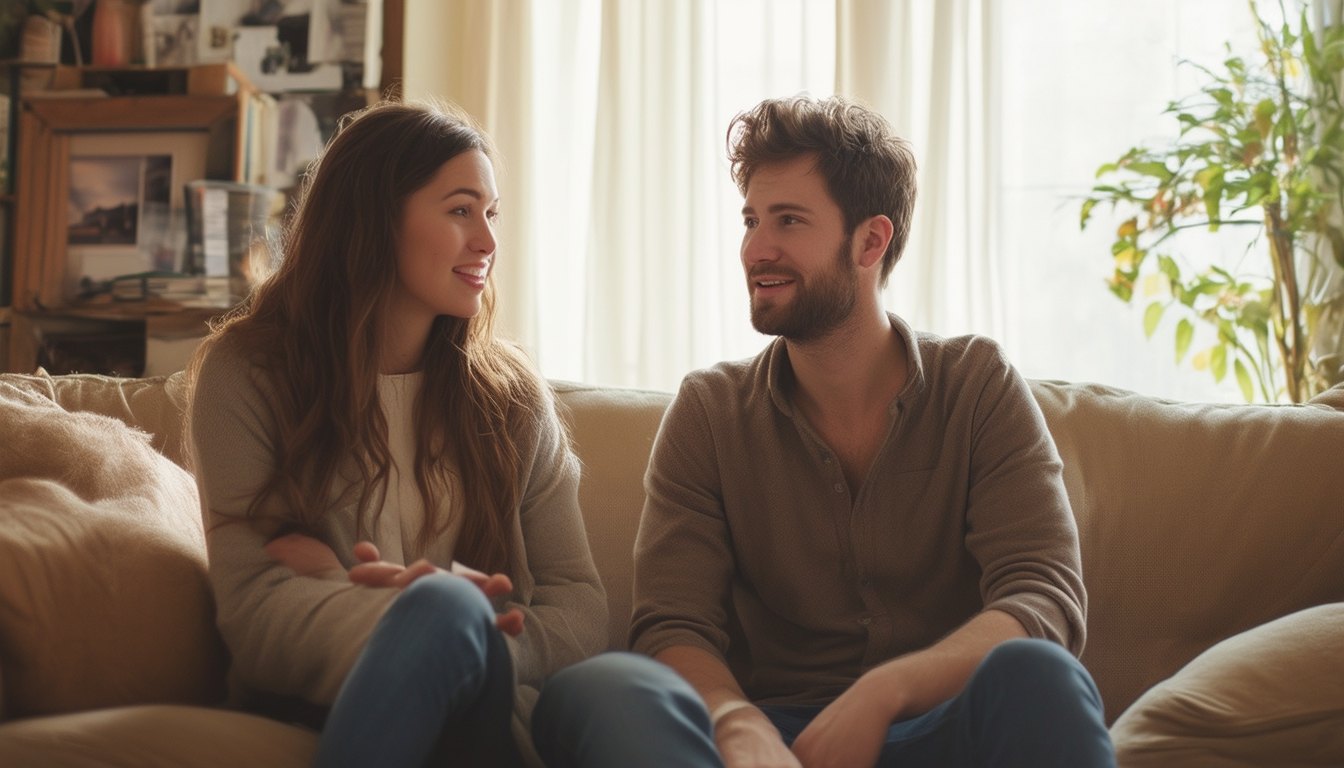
1020	527
683	552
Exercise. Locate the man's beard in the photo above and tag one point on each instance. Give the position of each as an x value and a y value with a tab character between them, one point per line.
818	307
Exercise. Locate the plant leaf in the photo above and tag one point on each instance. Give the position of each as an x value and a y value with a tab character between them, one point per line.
1264	117
1157	170
1185	331
1087	213
1218	362
1151	317
1167	266
1209	176
1244	381
1200	362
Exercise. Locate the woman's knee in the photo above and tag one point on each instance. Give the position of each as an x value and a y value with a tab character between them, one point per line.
440	614
438	595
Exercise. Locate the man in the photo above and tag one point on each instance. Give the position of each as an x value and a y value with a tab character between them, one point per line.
848	539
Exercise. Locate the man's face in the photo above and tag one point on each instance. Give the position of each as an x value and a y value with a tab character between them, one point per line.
796	254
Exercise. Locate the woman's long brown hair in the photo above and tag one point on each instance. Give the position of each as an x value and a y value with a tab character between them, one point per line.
313	332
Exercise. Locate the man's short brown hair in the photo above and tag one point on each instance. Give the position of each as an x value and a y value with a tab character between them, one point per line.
868	169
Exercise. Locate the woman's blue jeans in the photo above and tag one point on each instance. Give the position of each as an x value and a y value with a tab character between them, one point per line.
1030	704
433	686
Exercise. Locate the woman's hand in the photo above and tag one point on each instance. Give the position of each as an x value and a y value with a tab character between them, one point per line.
304	555
373	572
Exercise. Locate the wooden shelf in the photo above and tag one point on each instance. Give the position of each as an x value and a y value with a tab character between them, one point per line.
155	319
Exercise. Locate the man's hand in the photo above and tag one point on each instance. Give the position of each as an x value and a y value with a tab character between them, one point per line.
747	739
849	732
373	572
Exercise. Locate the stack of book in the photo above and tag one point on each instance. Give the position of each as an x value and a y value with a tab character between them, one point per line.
164	285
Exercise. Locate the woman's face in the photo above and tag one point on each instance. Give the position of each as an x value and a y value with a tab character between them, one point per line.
447	243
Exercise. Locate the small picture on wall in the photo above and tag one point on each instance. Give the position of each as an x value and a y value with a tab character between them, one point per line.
124	208
170	41
108	195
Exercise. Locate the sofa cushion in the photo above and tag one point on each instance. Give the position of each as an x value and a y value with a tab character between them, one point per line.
612	432
1273	695
155	736
1331	398
1196	522
154	405
103	592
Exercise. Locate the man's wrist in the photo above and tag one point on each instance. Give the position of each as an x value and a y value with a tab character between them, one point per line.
726	708
884	688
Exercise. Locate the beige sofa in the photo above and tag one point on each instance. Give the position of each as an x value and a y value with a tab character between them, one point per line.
1198	523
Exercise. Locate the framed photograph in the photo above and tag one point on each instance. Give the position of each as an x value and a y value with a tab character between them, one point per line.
125	205
82	158
171	40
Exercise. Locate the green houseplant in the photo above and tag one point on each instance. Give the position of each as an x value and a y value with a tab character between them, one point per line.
1261	148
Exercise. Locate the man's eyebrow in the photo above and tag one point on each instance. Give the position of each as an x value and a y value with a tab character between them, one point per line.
778	208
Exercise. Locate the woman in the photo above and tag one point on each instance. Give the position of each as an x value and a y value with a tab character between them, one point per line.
357	414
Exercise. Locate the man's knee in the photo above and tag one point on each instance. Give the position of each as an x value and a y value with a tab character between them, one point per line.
618	709
1036	669
618	680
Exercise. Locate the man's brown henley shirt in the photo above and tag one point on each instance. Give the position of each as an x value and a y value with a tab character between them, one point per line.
751	548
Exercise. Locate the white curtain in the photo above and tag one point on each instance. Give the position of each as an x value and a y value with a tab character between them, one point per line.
929	68
620	229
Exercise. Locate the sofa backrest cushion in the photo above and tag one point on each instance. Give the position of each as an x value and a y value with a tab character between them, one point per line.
612	433
103	592
154	405
1196	522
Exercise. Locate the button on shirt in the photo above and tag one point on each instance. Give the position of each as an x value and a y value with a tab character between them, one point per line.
753	548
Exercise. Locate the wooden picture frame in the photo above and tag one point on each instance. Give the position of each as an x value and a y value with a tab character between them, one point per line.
145	169
42	189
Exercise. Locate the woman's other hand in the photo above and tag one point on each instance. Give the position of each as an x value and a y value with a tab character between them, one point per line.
304	555
374	572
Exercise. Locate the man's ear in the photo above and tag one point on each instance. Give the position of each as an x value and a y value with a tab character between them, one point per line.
874	236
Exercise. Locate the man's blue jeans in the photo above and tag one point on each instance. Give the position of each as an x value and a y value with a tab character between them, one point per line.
433	686
1030	704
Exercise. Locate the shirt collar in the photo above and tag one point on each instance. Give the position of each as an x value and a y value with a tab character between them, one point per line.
779	372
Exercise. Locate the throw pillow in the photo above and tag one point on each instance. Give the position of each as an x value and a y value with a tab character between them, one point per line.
1331	398
103	592
1273	695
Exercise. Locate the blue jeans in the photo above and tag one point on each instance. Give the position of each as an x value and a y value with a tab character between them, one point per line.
433	686
622	709
1030	704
